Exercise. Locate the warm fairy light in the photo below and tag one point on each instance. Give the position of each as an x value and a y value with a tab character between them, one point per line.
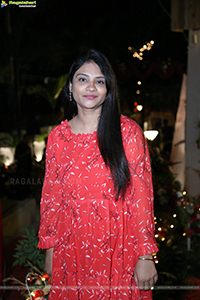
174	215
184	234
139	107
155	259
154	218
162	239
172	226
138	92
156	235
139	55
151	134
159	229
184	193
139	82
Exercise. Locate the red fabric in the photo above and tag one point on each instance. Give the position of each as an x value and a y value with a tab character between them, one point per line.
96	240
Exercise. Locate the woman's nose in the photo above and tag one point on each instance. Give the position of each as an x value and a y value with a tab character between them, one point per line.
91	86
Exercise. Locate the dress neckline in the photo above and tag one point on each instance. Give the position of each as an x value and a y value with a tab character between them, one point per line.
81	136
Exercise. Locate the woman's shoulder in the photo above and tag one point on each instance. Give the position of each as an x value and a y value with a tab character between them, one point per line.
59	131
130	128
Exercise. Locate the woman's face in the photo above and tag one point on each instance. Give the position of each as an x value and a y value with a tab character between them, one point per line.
89	87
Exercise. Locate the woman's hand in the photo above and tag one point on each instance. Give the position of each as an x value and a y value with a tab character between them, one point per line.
48	261
145	274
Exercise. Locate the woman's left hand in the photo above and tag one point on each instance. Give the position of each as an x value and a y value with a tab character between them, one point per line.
145	274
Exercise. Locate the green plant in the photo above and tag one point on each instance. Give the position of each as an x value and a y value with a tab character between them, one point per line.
26	251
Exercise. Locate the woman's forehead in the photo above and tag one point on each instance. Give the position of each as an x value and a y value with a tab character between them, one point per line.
89	67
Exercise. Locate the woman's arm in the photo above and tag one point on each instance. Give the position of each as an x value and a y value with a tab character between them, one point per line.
50	205
145	274
136	149
48	261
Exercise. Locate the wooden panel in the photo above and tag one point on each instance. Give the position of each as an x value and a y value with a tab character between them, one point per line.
185	14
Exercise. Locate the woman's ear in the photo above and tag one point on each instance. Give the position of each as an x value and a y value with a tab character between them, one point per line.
70	87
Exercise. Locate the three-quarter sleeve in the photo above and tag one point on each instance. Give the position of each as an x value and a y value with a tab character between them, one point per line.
50	205
137	154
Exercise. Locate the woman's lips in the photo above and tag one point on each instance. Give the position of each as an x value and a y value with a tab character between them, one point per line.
90	97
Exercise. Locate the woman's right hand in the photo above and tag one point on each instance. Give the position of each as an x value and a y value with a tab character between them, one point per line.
48	261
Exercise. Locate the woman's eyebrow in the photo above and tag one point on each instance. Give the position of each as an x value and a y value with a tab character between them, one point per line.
82	74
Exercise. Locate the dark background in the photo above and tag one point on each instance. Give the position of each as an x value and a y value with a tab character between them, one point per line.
39	44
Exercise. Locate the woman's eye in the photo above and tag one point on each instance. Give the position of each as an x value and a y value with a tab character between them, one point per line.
101	82
82	79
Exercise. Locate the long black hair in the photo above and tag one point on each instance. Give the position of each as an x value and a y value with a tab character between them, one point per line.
109	129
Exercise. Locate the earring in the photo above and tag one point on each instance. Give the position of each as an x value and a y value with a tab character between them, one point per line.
70	96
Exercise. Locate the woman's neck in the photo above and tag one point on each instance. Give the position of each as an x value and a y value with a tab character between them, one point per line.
84	123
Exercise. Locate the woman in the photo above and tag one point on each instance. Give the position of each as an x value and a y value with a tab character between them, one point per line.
97	220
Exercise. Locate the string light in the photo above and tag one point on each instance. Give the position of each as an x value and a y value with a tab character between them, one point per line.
156	261
139	55
174	215
139	82
184	193
155	258
139	107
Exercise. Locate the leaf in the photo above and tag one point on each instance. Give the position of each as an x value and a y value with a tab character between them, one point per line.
17	255
33	231
27	231
24	236
16	262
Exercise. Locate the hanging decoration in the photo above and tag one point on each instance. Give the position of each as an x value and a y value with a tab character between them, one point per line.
132	69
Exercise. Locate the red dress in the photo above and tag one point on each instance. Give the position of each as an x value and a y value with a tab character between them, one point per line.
96	240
